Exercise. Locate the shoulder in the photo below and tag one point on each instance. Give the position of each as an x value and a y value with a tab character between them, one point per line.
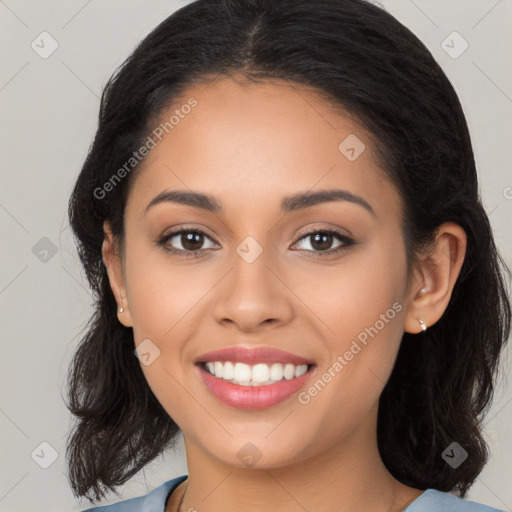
437	501
153	501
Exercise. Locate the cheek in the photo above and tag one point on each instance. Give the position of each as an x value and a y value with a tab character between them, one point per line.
356	293
165	299
163	293
360	307
374	309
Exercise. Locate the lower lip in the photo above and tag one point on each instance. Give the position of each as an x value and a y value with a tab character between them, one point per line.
253	397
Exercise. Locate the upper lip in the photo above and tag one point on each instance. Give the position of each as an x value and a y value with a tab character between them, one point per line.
252	356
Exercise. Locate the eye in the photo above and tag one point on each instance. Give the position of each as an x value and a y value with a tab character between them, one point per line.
185	242
321	241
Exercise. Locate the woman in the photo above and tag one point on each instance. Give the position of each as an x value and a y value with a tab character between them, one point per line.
280	218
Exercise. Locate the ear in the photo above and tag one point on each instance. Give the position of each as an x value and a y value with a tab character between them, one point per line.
113	263
435	277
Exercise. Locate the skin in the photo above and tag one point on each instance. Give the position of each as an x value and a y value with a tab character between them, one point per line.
250	145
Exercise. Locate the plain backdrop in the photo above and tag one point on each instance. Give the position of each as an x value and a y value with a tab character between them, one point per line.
49	107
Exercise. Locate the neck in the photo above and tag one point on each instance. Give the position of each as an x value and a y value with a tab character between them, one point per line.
348	476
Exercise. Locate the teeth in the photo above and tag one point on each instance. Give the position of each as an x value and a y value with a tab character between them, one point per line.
260	374
228	370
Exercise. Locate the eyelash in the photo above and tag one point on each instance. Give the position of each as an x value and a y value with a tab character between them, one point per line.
347	242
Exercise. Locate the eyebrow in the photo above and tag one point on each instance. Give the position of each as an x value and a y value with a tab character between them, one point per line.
295	202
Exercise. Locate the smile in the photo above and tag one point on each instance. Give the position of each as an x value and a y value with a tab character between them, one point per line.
248	393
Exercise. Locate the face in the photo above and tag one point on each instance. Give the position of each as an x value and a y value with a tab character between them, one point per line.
260	276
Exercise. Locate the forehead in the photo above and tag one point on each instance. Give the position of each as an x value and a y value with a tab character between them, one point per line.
251	143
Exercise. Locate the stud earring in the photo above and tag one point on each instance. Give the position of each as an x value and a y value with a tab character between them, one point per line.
423	326
121	309
423	290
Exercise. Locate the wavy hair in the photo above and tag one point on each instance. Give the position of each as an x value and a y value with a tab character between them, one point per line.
361	59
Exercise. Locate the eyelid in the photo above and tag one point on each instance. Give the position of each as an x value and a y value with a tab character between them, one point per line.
322	229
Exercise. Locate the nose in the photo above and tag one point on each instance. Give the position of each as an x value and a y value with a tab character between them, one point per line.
253	297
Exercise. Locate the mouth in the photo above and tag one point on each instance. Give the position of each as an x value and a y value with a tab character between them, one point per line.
253	378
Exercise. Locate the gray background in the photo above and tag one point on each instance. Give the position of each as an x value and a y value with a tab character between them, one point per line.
49	108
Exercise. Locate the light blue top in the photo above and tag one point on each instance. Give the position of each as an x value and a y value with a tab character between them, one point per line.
430	500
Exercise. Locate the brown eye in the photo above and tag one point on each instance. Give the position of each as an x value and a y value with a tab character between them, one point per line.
192	241
186	242
321	241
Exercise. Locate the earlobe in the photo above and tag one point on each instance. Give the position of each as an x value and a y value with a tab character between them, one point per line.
113	265
437	274
124	316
